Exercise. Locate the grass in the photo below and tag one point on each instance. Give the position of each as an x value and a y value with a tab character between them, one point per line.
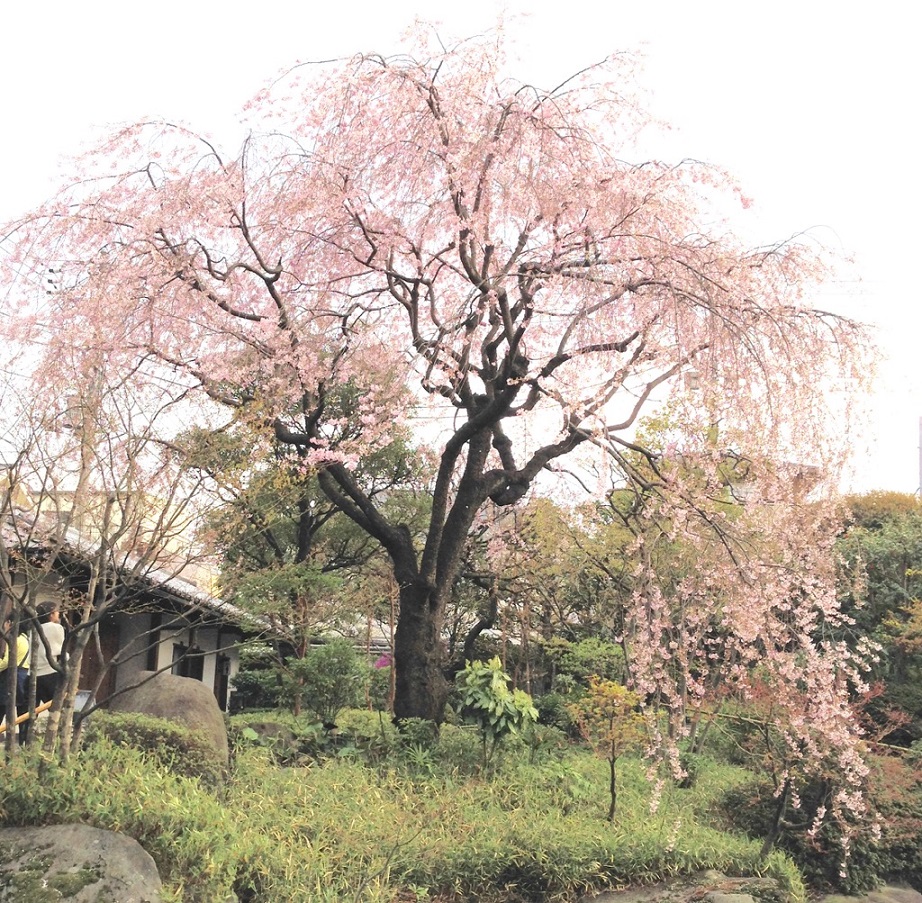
419	824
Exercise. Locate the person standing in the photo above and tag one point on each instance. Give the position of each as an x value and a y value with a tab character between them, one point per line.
48	677
21	659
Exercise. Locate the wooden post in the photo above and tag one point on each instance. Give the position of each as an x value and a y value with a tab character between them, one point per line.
27	715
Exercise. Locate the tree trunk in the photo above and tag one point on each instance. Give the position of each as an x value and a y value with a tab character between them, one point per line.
775	830
421	689
59	730
612	788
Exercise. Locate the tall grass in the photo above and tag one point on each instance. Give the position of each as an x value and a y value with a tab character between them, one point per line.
422	827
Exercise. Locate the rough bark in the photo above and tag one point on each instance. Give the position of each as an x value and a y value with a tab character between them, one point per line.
421	688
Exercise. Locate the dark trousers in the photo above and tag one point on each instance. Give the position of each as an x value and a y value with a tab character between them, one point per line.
22	701
45	687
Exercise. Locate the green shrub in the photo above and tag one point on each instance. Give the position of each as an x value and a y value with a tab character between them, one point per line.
330	678
256	689
553	710
896	795
290	740
544	742
184	827
379	688
299	740
257	684
36	790
581	659
458	749
818	854
370	735
363	724
418	732
177	748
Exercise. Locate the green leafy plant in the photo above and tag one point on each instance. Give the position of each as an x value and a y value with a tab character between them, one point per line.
488	702
289	739
418	732
257	684
330	678
194	839
544	742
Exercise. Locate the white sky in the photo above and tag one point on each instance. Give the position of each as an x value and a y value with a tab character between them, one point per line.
812	105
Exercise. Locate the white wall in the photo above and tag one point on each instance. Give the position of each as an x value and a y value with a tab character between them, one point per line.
136	638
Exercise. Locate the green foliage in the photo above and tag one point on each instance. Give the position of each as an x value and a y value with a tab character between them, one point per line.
369	734
256	688
289	740
554	711
584	658
488	702
289	592
343	830
872	510
817	851
379	688
544	742
460	749
186	829
256	683
881	583
418	732
174	747
329	678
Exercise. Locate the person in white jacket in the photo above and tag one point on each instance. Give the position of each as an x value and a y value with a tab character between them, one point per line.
47	677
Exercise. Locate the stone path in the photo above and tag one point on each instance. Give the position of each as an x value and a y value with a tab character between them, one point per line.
882	895
713	887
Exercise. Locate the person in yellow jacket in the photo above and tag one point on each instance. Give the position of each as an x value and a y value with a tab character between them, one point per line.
23	649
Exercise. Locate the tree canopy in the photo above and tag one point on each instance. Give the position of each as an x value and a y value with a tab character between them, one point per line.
478	259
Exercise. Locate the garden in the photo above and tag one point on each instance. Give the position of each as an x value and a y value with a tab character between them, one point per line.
497	806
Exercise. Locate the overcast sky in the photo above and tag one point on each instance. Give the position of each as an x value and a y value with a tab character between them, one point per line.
812	106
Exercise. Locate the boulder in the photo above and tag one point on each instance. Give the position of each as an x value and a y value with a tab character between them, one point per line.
76	864
181	699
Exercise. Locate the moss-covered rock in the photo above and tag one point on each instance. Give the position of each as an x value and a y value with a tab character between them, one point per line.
74	864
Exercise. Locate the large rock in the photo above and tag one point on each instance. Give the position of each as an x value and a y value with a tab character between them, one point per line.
76	864
180	699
